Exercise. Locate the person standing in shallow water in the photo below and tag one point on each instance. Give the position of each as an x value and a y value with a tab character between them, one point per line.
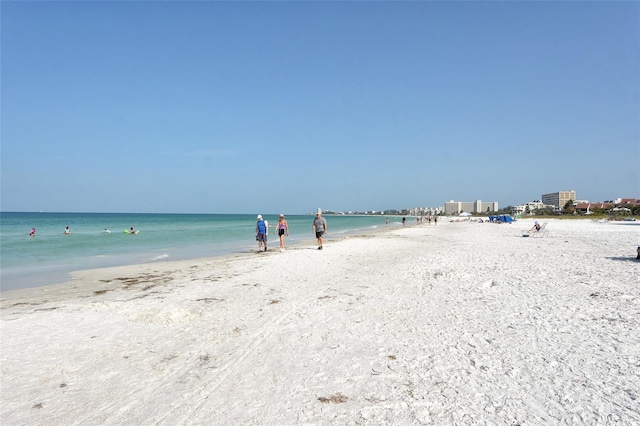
282	229
319	227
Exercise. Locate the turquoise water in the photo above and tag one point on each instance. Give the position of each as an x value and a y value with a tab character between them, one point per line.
50	255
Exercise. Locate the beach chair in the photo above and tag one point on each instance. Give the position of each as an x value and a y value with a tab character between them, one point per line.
536	234
542	231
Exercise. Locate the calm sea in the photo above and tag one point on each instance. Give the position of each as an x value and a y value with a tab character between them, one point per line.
50	255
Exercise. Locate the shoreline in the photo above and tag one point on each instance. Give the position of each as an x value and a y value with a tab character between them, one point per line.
454	323
55	269
72	277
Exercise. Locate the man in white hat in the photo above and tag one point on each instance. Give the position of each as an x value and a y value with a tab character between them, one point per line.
262	230
319	227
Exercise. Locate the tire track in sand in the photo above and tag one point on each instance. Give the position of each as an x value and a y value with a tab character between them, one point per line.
234	365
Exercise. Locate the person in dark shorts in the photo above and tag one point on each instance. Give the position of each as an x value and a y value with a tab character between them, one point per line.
282	230
536	227
319	227
262	230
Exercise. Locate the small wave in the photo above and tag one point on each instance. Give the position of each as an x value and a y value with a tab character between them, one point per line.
160	257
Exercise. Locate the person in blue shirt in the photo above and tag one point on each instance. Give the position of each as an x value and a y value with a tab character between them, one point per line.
262	231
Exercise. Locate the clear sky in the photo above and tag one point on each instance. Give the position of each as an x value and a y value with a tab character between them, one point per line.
245	107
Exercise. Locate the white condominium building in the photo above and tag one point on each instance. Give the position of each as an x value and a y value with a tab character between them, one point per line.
456	207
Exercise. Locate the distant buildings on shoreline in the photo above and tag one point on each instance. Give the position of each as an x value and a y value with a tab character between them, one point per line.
567	202
457	207
558	199
554	202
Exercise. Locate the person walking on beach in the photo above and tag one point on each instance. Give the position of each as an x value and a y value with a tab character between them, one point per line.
435	220
282	229
319	227
262	231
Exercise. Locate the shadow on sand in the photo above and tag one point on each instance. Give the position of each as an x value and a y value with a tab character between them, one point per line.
627	259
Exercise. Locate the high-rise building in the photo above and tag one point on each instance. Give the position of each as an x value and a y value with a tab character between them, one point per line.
558	199
455	207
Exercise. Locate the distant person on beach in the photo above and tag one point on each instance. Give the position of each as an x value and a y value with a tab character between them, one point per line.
404	220
262	231
282	229
535	228
435	220
67	231
319	227
32	233
386	222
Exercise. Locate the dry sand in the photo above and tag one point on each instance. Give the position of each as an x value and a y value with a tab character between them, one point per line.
459	323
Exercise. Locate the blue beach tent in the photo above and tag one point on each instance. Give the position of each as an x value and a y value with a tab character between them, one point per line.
506	218
502	218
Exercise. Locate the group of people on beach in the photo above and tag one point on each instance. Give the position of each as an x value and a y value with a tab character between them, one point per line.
281	229
419	220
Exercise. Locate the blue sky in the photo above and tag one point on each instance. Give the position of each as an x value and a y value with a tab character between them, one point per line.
243	107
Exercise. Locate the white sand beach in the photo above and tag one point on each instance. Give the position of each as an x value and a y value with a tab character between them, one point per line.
459	323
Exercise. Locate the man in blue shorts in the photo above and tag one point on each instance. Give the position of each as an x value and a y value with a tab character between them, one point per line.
262	230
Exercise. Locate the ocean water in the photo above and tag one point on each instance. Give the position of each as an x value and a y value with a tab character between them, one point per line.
48	257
